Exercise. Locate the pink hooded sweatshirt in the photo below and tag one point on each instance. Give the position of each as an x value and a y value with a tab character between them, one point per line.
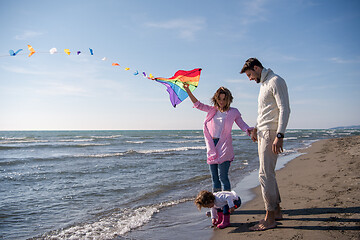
223	151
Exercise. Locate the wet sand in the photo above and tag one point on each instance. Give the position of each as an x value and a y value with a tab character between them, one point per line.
320	193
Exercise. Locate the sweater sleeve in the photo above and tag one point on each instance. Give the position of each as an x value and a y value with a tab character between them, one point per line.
203	107
242	125
282	100
214	213
230	201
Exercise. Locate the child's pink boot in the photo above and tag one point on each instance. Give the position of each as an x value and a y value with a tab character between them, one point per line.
220	218
226	222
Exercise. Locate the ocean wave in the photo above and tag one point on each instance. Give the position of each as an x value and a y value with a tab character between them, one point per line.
7	147
135	142
23	141
166	141
291	138
107	137
48	144
241	134
89	145
15	138
113	224
75	140
149	151
193	137
179	149
185	141
9	162
101	155
289	151
33	142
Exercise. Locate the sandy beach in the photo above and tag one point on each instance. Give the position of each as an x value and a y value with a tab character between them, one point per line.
320	194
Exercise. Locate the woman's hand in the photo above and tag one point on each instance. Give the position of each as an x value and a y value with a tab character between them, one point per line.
192	97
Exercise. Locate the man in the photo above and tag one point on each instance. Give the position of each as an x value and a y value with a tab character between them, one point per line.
273	116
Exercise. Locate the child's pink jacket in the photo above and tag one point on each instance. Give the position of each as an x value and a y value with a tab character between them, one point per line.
224	149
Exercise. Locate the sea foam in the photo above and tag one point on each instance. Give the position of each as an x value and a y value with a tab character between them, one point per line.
117	223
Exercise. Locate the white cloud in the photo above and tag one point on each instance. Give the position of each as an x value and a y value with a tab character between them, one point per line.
21	70
57	88
253	11
27	35
255	7
67	81
186	28
340	60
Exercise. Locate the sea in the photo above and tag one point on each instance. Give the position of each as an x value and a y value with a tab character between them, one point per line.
121	184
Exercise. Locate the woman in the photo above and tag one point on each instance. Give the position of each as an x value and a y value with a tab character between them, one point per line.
217	132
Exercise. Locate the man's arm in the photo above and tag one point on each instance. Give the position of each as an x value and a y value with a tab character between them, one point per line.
282	100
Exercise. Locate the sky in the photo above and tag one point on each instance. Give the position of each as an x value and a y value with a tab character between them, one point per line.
312	44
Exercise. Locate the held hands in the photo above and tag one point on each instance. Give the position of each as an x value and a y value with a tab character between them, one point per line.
277	146
232	209
254	135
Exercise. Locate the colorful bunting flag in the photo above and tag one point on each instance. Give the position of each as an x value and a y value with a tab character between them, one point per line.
174	85
12	53
53	50
32	51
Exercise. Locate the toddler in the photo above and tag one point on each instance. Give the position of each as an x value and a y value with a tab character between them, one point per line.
221	203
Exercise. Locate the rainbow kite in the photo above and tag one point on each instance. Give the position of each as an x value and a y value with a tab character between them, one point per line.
175	84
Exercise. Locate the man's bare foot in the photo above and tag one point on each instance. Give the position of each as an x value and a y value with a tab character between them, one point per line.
263	225
278	217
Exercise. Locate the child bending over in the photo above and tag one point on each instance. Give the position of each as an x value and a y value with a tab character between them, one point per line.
221	203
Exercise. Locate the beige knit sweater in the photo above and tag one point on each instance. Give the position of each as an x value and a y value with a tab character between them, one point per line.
273	103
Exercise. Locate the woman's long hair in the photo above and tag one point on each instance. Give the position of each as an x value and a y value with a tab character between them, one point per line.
228	98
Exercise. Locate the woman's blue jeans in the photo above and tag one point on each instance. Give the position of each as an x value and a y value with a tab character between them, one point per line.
220	176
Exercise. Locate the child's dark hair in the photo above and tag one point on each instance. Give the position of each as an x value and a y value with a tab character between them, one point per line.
204	198
228	98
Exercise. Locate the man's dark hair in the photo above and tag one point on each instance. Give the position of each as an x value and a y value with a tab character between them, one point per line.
250	63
